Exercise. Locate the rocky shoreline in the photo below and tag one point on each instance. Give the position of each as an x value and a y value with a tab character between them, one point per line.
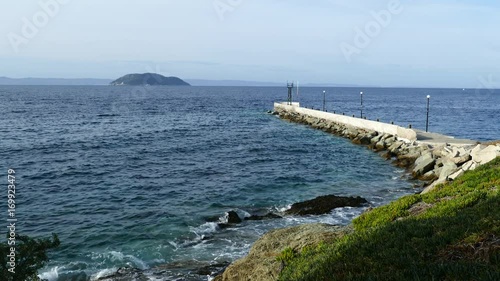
433	163
265	249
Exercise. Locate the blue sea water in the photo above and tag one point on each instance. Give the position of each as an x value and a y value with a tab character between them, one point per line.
136	176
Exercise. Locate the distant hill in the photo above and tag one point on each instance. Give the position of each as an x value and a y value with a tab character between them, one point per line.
152	79
139	79
53	81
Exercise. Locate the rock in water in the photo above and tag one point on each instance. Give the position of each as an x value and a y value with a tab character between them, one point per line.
125	274
264	217
324	204
232	217
213	269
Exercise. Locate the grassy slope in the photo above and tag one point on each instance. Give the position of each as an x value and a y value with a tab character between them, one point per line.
456	238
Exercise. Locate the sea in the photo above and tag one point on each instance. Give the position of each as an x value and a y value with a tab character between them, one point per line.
140	177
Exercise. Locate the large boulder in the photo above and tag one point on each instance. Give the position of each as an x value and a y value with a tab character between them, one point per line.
456	175
351	132
363	139
324	204
232	217
448	168
429	176
483	156
406	160
459	160
423	164
389	141
376	139
469	166
261	264
395	146
380	145
475	151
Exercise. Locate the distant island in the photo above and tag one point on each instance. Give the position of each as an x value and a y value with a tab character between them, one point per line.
152	79
37	81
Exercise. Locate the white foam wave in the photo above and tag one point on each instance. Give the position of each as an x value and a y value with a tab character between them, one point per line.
206	228
130	259
246	214
103	273
283	209
52	274
137	262
175	245
201	232
117	256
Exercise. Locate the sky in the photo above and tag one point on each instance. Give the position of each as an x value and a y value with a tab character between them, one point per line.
372	42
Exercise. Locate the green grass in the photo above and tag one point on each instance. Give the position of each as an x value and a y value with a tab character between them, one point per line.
457	238
287	255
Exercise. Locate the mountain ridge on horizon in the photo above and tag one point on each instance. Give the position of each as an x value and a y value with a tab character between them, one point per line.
37	81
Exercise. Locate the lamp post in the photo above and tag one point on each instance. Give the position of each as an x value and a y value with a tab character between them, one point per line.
427	122
290	96
361	94
324	100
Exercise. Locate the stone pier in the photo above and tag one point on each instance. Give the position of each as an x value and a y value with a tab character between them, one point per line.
430	157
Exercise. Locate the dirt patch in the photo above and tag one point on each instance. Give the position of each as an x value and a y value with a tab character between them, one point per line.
418	208
483	249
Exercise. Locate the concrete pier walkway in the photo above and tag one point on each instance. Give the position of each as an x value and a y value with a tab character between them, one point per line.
431	157
434	138
403	133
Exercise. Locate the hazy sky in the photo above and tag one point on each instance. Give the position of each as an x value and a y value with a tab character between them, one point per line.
376	42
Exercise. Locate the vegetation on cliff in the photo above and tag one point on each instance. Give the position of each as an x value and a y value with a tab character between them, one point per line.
30	255
148	79
450	233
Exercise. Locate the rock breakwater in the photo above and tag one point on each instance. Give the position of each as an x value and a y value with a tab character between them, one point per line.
427	160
